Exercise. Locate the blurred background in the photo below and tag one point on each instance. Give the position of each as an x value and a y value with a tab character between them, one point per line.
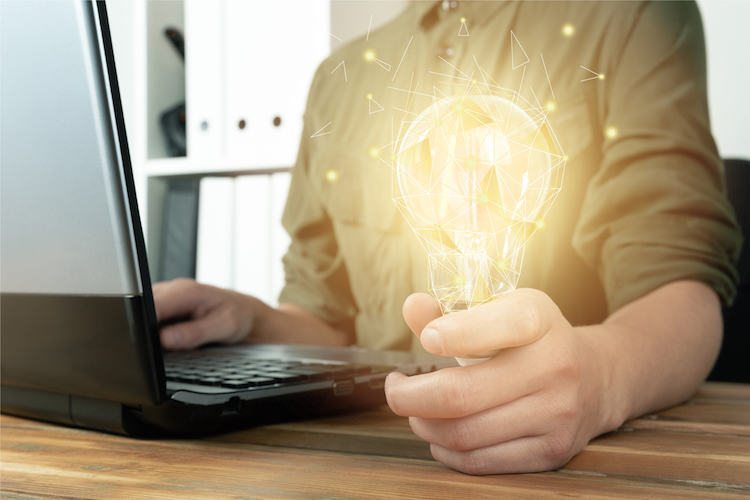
212	181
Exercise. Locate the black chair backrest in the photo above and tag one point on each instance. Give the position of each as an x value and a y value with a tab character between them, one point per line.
733	364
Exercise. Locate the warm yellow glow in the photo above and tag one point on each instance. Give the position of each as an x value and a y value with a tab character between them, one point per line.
568	30
472	201
565	158
551	106
611	132
368	55
369	96
374	152
601	76
463	19
540	224
332	175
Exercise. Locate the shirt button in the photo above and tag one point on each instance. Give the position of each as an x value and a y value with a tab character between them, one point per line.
449	4
444	51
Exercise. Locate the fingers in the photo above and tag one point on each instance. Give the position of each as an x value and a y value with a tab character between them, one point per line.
178	298
526	454
419	309
517	319
213	314
217	326
519	418
457	392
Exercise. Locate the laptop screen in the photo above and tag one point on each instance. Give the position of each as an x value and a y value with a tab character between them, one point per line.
65	228
77	314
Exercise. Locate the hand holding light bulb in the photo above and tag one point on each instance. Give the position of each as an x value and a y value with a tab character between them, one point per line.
475	174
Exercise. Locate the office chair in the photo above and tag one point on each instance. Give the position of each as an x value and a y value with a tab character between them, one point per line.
733	364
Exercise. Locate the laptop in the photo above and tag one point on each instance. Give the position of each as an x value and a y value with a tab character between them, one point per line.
80	343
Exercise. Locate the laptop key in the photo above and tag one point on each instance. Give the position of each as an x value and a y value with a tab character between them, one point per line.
281	377
259	381
310	374
236	384
207	381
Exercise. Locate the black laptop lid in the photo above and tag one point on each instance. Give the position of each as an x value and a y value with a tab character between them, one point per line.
77	313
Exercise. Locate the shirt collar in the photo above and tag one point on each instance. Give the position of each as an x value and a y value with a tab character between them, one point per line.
477	13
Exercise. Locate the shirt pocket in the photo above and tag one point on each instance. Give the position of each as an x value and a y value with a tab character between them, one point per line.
356	192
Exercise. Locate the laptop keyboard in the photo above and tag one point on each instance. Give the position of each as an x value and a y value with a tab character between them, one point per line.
236	372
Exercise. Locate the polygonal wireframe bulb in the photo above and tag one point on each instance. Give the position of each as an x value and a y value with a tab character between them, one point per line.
474	176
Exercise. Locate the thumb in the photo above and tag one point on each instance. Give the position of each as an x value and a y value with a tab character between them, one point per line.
419	309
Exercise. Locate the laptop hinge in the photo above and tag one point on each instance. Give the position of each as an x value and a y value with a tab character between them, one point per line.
79	411
33	403
110	416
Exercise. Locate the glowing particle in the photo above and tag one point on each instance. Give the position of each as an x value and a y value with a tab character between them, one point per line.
369	96
374	152
459	280
540	224
611	132
568	30
484	199
601	76
332	175
551	105
502	265
565	158
368	55
463	30
471	163
458	107
473	81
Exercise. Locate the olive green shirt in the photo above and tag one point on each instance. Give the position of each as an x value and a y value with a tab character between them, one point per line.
642	202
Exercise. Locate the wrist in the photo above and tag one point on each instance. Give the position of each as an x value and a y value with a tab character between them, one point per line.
258	312
613	392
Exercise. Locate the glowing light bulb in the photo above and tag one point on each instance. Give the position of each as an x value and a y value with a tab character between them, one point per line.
476	174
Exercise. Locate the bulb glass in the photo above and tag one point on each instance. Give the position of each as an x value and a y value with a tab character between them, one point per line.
473	176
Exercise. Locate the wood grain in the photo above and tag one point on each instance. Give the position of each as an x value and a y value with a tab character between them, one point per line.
373	454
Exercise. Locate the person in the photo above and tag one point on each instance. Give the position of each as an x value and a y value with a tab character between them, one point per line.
618	310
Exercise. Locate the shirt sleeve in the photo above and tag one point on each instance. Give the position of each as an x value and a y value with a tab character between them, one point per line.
316	275
657	211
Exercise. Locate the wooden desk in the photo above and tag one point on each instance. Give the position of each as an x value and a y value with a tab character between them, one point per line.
698	450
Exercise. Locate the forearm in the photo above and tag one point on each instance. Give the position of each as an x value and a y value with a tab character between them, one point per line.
658	349
289	323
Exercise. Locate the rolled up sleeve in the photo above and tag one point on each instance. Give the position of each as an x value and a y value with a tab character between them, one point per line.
656	211
316	275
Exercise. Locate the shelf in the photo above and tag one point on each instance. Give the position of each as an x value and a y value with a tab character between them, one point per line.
165	167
